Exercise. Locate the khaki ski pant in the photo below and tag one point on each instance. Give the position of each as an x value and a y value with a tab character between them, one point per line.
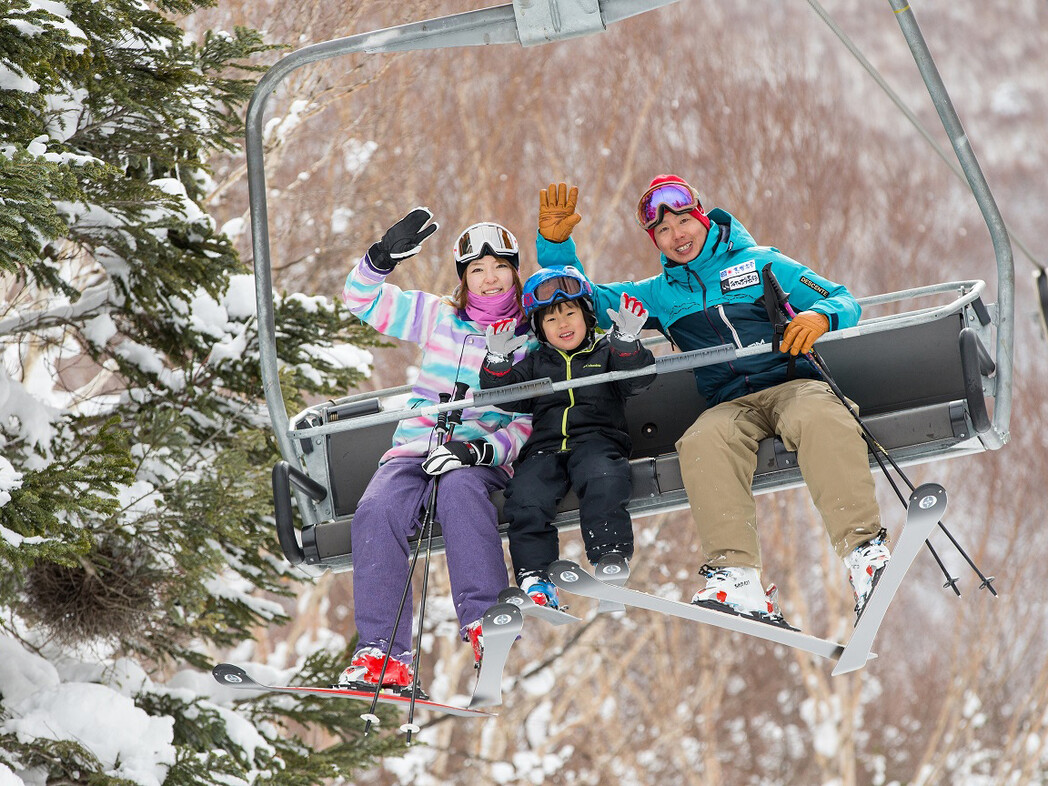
718	456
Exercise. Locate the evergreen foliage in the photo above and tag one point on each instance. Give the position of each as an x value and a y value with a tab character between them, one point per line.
139	519
210	754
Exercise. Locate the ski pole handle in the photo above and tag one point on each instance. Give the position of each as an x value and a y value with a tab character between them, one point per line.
774	300
447	420
442	418
455	415
777	290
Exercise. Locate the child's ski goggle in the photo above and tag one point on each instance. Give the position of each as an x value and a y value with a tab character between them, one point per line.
495	237
675	197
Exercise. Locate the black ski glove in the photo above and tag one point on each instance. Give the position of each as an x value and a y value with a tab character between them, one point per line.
402	240
455	455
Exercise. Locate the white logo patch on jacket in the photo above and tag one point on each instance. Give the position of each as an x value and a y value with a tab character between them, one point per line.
739	276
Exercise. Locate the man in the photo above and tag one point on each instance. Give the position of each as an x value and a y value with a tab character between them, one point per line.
709	293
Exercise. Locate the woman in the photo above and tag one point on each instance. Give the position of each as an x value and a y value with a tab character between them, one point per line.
451	333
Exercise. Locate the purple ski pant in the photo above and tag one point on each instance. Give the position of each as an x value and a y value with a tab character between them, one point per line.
389	512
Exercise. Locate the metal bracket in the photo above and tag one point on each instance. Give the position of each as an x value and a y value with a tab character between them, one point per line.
784	459
542	21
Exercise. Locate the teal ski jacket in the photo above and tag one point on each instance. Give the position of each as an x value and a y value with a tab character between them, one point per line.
718	298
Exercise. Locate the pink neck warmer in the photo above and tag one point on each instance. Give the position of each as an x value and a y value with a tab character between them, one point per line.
488	309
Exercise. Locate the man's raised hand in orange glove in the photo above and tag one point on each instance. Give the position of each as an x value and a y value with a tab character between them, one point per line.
557	216
803	331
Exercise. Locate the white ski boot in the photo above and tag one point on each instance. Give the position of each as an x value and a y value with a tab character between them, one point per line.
865	565
738	591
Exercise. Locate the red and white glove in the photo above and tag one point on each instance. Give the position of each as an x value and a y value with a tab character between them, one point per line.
629	319
502	340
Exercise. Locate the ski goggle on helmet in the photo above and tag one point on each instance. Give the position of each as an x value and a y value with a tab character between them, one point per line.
486	237
675	197
554	285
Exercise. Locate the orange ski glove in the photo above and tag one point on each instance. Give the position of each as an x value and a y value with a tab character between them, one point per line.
802	333
557	216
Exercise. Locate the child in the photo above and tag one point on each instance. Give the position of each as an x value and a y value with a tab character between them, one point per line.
579	437
450	332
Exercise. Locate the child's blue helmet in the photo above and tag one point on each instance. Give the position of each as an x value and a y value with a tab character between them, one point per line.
552	285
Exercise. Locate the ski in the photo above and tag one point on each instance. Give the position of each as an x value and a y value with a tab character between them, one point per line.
530	608
925	509
571	578
235	677
500	626
611	569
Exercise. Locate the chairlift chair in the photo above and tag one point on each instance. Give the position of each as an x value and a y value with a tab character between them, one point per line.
927	385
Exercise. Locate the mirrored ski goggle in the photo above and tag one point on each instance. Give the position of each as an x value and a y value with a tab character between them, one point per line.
471	243
551	291
675	197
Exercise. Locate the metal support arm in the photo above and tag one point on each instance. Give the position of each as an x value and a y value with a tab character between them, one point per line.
991	214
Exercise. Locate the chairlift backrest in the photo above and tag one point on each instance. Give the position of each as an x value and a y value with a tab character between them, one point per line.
910	378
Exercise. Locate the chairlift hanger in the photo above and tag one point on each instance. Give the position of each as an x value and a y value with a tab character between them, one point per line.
934	415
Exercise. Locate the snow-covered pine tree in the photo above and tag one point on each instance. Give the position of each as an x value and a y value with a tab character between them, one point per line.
134	500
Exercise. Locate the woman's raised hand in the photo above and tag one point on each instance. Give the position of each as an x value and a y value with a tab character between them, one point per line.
402	240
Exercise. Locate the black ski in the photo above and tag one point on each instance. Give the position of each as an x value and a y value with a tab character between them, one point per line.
571	578
924	510
235	677
501	625
523	601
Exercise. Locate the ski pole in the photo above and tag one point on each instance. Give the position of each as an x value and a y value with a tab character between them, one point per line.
951	581
875	446
450	420
878	450
369	717
779	295
776	303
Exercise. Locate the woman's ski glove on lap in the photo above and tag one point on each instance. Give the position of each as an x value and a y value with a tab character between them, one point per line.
455	455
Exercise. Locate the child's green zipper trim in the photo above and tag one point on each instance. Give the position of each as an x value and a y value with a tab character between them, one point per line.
571	391
571	403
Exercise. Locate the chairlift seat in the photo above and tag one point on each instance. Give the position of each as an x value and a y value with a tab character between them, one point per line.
908	382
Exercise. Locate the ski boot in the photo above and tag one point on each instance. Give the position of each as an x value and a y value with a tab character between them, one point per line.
865	565
475	636
541	590
738	591
365	669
